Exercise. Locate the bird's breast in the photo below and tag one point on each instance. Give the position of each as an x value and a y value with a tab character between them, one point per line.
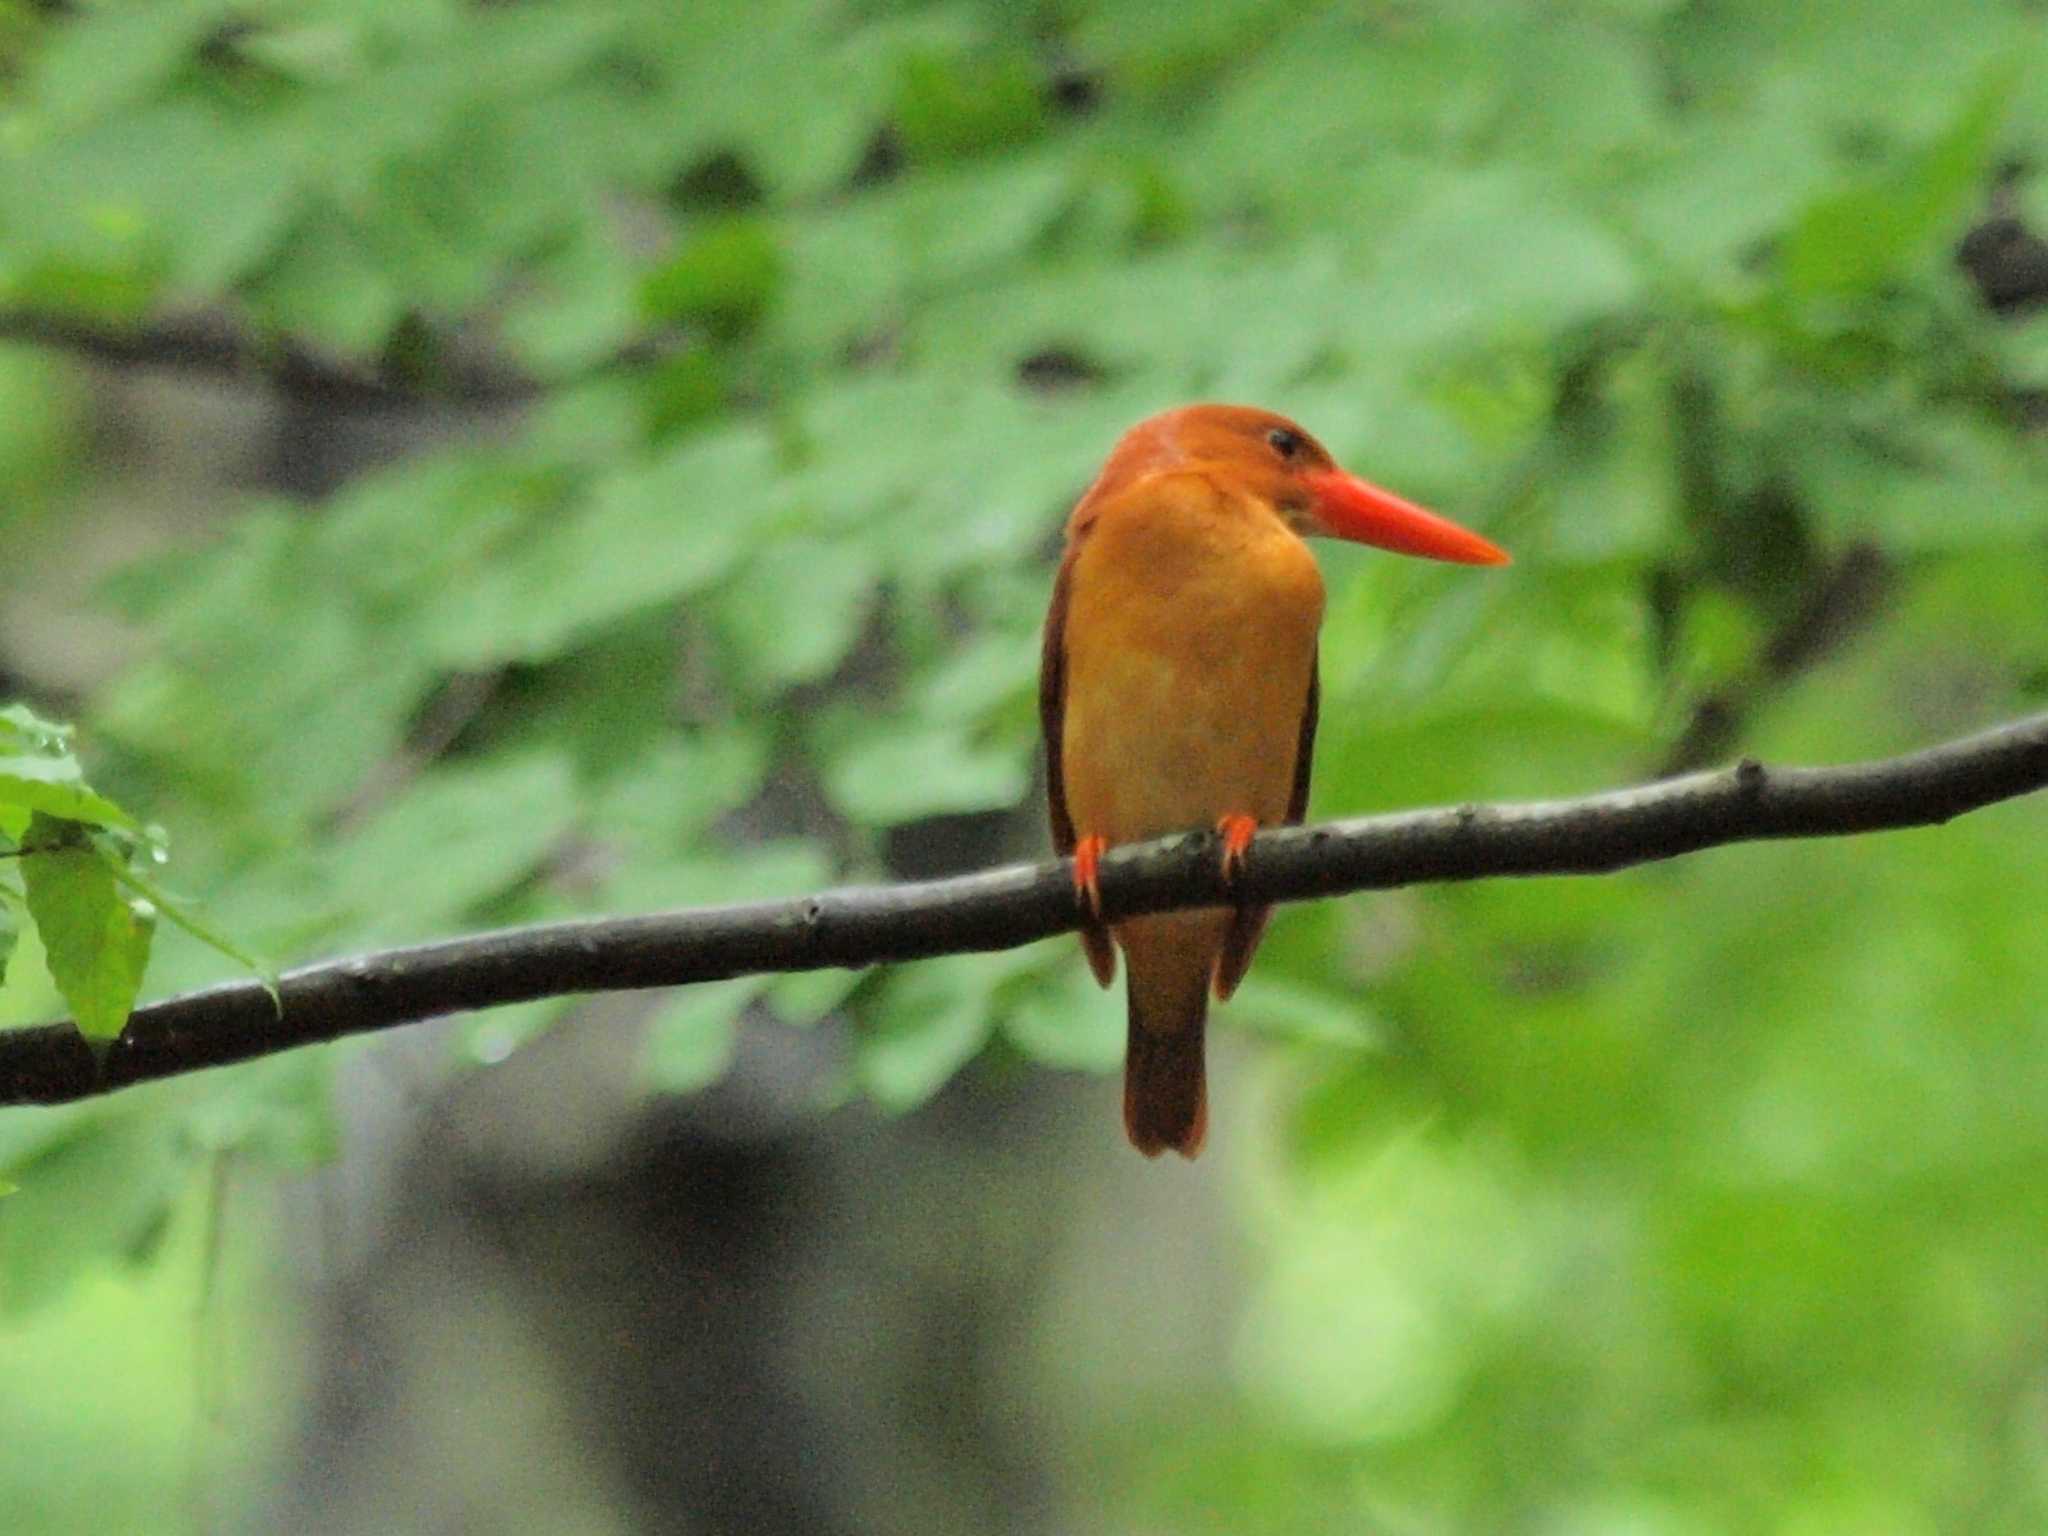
1190	643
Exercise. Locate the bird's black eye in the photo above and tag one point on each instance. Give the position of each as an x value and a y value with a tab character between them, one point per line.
1285	443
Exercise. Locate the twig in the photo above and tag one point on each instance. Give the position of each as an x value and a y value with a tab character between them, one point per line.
450	712
1003	908
1843	598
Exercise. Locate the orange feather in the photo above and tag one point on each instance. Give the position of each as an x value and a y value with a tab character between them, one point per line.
1178	691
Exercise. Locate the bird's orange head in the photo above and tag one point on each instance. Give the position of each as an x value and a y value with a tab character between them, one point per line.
1266	456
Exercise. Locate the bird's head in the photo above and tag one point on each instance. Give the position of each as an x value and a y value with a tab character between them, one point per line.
1270	458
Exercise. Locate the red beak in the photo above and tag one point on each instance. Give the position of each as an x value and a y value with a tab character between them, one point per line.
1351	508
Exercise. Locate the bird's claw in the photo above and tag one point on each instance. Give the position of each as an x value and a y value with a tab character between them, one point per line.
1087	862
1237	832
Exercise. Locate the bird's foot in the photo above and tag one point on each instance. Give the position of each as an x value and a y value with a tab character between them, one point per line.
1237	832
1087	861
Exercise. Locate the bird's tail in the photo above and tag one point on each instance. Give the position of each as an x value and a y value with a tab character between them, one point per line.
1166	1102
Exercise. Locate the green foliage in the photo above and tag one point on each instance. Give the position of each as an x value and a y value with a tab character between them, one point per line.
95	943
1693	1199
1865	236
95	939
79	856
40	775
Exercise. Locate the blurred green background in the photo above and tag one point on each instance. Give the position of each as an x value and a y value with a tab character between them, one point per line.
467	463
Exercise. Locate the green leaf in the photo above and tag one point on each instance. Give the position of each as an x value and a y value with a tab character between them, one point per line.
43	410
116	53
22	727
644	535
1943	480
1718	641
2023	352
977	679
804	997
672	790
51	787
582	308
799	111
93	1186
925	1023
690	1043
725	276
791	616
1297	1012
39	772
96	942
317	52
1070	1022
1616	491
280	1110
853	266
1856	240
492	1035
1577	90
183	915
1447	273
10	928
657	879
1725	185
950	107
899	773
462	835
326	285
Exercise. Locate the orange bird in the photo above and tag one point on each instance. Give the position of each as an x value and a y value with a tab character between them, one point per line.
1178	691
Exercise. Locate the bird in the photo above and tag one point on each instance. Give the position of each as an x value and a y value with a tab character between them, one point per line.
1178	691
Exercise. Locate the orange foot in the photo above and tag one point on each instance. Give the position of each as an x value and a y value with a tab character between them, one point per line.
1237	832
1087	860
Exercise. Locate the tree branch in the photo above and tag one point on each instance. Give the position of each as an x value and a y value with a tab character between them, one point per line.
216	347
1003	908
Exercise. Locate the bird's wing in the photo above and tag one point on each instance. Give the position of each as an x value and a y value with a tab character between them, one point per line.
1052	714
1248	924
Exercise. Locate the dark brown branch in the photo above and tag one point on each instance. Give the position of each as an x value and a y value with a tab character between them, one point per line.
216	347
1003	908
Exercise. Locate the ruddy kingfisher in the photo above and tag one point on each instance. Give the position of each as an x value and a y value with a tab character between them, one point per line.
1178	692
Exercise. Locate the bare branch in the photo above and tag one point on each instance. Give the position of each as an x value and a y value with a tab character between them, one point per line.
1003	908
214	346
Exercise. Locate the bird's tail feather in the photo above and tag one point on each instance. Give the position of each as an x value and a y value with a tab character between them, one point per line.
1166	1101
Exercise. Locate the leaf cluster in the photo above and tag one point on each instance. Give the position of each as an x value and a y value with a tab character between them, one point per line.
78	873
